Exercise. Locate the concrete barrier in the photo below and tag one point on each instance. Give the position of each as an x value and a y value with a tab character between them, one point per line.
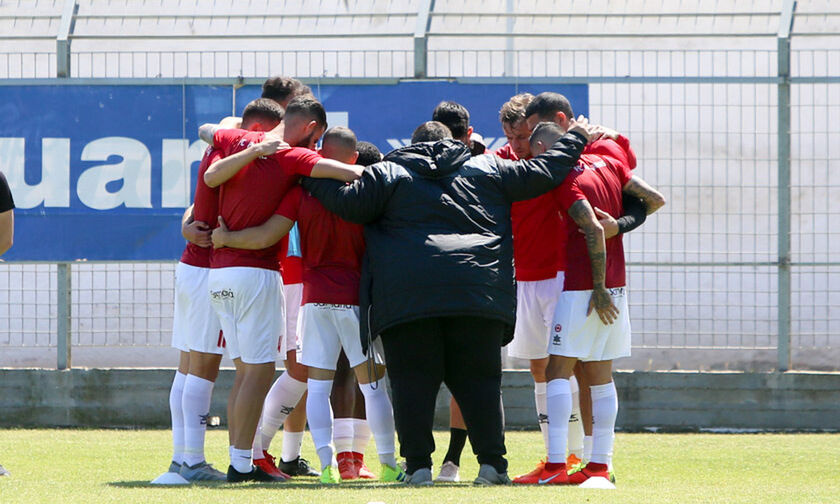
647	400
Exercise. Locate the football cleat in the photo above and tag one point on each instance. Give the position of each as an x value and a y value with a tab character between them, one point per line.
532	477
201	472
392	474
347	467
297	467
256	474
267	465
553	474
364	471
590	470
330	475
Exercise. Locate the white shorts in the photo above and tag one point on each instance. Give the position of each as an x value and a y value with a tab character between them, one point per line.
325	329
291	341
195	325
535	304
249	303
587	338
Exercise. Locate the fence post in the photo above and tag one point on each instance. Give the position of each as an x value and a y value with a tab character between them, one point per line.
62	39
63	301
421	38
784	197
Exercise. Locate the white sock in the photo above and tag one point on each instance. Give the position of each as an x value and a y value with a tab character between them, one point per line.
542	411
612	449
604	411
196	408
575	422
241	459
256	446
559	402
361	435
282	398
380	418
177	413
343	434
320	416
587	448
292	442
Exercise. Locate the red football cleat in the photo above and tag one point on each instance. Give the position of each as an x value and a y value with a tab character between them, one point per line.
590	470
267	465
532	477
553	474
347	466
363	470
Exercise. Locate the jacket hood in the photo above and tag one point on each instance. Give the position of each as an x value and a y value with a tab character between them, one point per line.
431	159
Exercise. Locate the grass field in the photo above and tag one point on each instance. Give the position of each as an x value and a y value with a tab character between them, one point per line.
92	466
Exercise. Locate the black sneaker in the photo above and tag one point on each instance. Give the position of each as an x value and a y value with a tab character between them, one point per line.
297	467
257	474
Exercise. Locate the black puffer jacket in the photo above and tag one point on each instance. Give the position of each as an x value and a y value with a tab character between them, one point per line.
438	231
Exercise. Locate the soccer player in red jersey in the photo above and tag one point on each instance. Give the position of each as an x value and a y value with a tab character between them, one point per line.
245	285
594	281
554	107
329	320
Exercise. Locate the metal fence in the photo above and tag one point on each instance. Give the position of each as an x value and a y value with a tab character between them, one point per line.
740	270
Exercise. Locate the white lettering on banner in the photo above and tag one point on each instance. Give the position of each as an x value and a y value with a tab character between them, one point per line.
177	156
135	171
53	190
338	119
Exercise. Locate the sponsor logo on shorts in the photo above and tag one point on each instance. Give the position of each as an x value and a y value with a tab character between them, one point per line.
330	306
558	328
222	294
557	340
617	291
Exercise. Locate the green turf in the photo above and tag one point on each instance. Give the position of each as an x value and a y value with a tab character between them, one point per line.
65	466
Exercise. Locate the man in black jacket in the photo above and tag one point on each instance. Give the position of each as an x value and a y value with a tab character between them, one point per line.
442	293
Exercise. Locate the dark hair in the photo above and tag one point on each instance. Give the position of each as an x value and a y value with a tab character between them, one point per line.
454	116
546	132
513	110
262	110
310	107
546	104
368	154
280	88
342	136
430	131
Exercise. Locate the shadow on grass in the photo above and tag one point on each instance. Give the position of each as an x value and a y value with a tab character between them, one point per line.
314	485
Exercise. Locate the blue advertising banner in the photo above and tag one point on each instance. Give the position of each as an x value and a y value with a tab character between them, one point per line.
105	172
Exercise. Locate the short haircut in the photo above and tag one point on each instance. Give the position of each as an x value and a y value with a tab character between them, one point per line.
546	132
454	116
308	106
546	104
281	88
368	154
513	110
262	110
430	131
341	137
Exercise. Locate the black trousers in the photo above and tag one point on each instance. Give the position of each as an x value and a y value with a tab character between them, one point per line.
464	353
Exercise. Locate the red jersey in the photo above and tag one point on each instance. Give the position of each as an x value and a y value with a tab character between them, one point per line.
332	250
291	266
539	236
205	209
618	149
252	196
599	180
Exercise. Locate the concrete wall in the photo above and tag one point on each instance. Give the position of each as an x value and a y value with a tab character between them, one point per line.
662	400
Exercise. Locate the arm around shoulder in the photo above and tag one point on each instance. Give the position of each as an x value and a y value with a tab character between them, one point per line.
652	199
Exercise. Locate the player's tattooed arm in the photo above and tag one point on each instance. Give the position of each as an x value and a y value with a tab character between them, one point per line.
194	231
224	169
635	213
583	215
253	238
652	198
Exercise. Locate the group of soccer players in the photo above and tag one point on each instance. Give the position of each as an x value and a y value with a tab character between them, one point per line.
268	269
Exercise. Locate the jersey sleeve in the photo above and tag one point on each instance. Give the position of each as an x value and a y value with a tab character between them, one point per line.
569	192
6	201
226	139
290	204
299	160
